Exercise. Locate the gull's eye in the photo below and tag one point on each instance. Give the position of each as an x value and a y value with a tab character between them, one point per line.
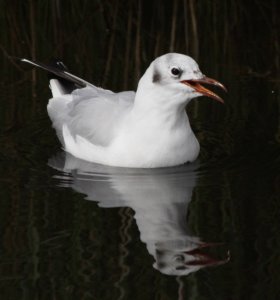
179	258
175	71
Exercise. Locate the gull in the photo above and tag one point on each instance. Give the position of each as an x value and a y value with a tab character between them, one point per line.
148	128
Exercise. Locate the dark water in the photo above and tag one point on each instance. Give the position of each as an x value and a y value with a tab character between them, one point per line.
73	230
208	230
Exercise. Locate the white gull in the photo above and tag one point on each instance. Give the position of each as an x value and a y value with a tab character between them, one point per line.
148	128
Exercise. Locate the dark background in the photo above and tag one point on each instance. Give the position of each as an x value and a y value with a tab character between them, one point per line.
111	43
55	245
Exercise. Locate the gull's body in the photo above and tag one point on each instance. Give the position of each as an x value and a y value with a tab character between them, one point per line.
146	129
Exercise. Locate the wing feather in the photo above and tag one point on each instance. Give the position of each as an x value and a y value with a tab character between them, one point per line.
92	113
89	112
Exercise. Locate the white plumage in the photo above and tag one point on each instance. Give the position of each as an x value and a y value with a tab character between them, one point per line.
146	129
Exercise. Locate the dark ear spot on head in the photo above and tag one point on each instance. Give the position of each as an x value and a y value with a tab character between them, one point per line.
156	76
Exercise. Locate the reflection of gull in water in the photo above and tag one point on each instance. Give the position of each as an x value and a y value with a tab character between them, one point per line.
160	199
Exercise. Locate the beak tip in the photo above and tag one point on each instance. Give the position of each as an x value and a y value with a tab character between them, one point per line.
196	85
221	100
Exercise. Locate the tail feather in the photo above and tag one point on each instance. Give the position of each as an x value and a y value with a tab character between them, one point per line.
60	88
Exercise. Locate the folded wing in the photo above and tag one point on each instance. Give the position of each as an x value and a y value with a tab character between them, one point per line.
86	110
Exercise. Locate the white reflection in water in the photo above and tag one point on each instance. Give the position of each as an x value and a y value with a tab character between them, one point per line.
160	200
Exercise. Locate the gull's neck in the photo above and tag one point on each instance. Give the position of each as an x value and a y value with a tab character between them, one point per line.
156	104
156	132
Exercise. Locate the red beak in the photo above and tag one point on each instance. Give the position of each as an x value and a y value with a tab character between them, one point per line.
196	85
204	259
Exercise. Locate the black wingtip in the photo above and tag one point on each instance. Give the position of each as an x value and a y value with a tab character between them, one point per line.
57	64
57	70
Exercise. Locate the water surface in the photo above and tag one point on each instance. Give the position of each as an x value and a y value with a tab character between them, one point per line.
75	229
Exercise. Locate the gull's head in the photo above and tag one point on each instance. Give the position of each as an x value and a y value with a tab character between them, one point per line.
178	76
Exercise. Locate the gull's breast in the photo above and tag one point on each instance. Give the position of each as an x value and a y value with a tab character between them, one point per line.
150	149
